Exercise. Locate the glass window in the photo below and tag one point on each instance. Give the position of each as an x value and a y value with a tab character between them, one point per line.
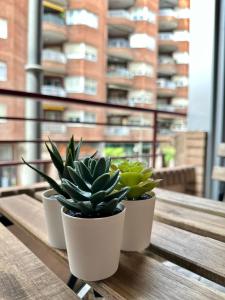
141	69
143	14
3	29
3	71
81	116
142	40
81	51
81	17
80	84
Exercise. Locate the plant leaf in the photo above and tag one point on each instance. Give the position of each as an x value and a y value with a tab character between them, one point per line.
113	182
58	163
120	195
80	182
100	182
99	168
75	193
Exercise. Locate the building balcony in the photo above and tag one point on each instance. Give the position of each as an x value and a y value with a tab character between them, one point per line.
53	90
119	78
168	3
167	44
117	131
167	20
166	88
53	61
118	4
119	49
62	3
166	66
54	29
54	128
118	101
119	23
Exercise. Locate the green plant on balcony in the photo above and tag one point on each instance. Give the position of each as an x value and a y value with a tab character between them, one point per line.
91	189
72	154
137	177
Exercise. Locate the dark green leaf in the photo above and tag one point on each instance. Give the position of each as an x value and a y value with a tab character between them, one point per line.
100	182
84	171
75	193
113	182
120	195
80	182
98	197
77	151
58	163
100	167
51	181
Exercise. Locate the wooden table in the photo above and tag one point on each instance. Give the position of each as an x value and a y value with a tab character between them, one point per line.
188	231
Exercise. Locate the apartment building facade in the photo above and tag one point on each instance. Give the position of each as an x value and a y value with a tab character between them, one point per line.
102	51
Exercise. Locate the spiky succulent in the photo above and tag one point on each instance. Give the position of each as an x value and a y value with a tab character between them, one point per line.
135	176
91	189
72	154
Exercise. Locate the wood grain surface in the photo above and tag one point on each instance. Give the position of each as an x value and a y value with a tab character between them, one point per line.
199	254
191	220
24	276
196	203
138	277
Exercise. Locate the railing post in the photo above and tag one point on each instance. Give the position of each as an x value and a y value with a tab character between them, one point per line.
154	141
33	84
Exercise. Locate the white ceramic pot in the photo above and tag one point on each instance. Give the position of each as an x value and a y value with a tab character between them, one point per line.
138	224
93	245
53	219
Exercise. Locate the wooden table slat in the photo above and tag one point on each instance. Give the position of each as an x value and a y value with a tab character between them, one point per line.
24	276
199	254
138	277
196	203
188	219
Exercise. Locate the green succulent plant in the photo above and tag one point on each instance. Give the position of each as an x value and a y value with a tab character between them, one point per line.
72	154
137	177
91	189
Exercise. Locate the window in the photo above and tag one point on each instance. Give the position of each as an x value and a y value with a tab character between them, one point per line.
180	102
143	14
3	71
141	69
180	81
181	57
81	51
79	84
140	97
81	116
3	112
3	29
81	17
142	40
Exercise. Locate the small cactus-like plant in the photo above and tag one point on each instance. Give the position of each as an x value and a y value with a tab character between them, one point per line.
92	189
137	177
72	154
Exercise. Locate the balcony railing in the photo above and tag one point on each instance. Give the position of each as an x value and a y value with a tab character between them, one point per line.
54	128
119	72
51	55
117	131
167	13
165	36
119	13
118	43
119	101
166	84
53	90
154	141
51	18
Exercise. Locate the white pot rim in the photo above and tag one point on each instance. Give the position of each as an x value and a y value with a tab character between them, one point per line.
140	200
94	219
48	193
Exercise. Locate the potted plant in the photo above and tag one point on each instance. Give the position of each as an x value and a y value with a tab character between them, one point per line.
52	207
139	203
93	219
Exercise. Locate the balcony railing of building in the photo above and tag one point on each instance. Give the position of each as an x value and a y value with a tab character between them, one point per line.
154	142
118	43
52	55
166	84
166	36
53	90
119	13
119	72
51	18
